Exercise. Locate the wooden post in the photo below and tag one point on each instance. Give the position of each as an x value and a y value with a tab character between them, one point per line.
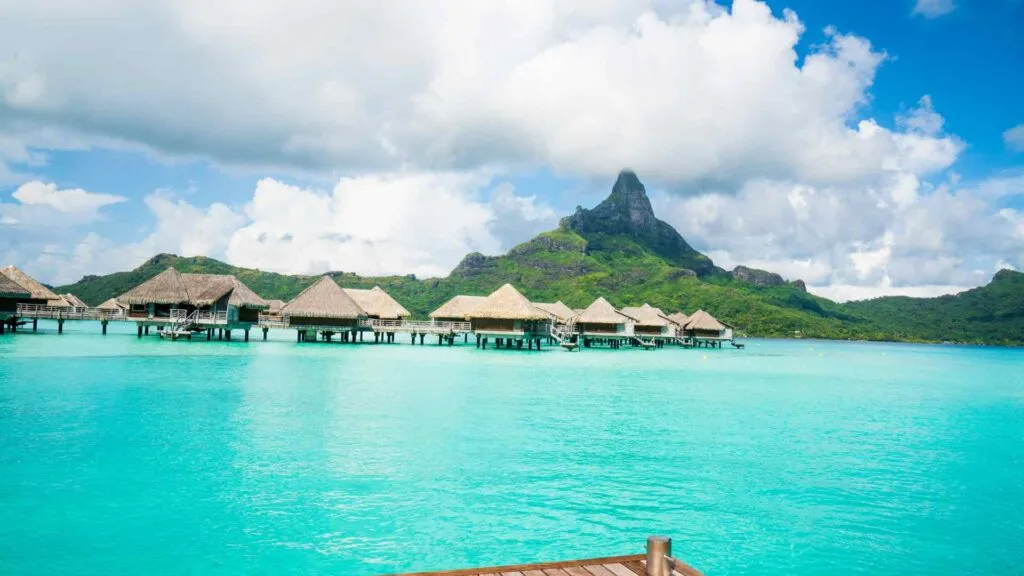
438	339
265	330
227	335
422	336
246	334
104	325
146	330
140	331
298	335
209	334
35	324
519	344
659	554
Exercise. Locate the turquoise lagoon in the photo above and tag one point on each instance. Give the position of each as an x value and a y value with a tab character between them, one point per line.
127	456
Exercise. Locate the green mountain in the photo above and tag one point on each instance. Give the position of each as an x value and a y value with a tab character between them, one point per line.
620	250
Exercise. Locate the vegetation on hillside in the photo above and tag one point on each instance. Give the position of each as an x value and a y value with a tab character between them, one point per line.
561	265
621	251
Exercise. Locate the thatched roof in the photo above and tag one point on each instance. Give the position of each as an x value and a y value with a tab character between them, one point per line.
324	299
506	303
67	301
36	290
241	295
701	320
679	318
646	315
458	307
166	287
275	305
173	287
377	302
602	312
558	310
11	289
112	305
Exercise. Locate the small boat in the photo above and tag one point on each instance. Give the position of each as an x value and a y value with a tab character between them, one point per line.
176	333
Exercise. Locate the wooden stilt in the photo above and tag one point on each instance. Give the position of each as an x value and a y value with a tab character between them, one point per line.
146	331
246	334
209	334
103	324
519	344
35	324
265	330
422	336
140	331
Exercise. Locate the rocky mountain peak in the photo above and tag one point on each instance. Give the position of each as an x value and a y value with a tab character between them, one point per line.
628	211
629	202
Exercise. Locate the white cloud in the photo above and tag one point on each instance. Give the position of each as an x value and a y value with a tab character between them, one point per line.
1014	138
899	237
847	292
425	105
934	8
412	222
682	91
421	223
69	201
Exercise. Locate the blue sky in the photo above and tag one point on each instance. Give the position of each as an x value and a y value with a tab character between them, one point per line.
867	147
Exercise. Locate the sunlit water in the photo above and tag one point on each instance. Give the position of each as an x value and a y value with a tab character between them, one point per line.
127	456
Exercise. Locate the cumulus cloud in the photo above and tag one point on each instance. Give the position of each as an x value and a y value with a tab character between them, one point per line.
1014	138
933	8
766	154
667	88
421	223
901	237
69	201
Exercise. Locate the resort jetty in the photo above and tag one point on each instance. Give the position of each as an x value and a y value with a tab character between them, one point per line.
181	305
657	561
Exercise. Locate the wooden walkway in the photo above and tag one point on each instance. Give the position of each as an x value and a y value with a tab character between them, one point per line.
613	566
635	565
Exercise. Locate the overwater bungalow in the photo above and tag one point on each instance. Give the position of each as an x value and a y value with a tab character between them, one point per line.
507	316
679	320
189	302
703	329
378	304
68	301
11	294
20	289
650	322
324	308
557	312
601	323
457	309
112	308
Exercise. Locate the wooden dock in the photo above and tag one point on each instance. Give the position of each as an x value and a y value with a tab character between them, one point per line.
659	553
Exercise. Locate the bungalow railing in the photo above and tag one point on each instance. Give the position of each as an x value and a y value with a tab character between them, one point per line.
66	312
179	315
414	325
273	320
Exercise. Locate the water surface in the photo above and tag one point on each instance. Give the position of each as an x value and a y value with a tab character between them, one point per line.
120	455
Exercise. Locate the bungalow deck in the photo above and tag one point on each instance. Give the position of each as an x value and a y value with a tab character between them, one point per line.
634	565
